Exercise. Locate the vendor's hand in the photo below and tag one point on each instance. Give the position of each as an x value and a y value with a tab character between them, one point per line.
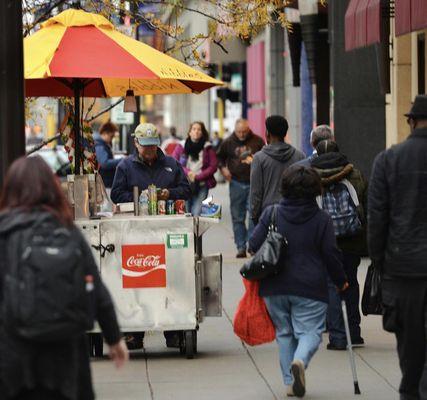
344	287
119	353
192	176
248	160
164	195
226	174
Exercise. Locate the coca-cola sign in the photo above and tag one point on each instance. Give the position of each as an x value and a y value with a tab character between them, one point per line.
143	265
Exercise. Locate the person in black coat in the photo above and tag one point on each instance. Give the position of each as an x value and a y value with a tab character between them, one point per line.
297	298
397	242
48	370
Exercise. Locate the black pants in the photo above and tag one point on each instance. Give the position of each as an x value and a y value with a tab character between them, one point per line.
405	314
351	295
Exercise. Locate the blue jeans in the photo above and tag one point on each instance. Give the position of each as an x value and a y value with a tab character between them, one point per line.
351	295
299	324
239	205
194	205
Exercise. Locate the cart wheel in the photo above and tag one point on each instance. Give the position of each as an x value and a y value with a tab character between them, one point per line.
190	344
182	342
97	345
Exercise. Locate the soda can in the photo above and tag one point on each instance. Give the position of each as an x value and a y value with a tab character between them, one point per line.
152	193
161	207
180	206
152	207
170	207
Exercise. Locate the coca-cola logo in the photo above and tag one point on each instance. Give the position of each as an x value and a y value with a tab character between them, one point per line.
142	261
143	266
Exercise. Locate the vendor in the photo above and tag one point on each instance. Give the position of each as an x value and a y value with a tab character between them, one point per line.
149	166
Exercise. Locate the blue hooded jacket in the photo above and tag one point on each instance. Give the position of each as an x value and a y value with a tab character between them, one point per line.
165	173
312	252
107	163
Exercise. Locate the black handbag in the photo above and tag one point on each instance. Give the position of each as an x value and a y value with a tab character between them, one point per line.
372	298
269	259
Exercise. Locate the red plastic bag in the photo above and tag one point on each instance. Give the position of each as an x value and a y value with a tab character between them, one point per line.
252	323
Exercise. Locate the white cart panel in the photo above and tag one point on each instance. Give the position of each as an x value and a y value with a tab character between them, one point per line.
151	271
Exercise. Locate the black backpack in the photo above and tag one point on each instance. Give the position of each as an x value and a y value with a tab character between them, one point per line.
46	289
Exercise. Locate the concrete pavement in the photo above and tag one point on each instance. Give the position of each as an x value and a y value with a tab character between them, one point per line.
227	369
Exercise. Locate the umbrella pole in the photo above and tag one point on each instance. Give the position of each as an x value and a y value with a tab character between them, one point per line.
77	139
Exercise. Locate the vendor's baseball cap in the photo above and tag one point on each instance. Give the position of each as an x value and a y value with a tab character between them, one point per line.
146	134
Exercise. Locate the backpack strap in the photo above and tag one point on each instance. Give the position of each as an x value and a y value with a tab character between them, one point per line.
352	191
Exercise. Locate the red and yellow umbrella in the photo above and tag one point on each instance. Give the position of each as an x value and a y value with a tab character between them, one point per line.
76	44
79	54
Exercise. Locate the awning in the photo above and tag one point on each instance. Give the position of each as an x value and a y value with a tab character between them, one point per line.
410	16
363	23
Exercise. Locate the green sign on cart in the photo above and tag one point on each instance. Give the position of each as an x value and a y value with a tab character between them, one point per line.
177	241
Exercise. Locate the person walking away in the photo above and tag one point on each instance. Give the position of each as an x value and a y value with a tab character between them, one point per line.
199	161
104	153
170	144
216	141
297	298
235	157
397	242
51	368
321	132
344	198
268	166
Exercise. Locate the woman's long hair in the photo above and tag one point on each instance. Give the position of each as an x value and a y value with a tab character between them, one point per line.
30	184
205	133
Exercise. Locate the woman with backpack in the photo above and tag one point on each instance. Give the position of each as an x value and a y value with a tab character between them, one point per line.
50	292
199	161
297	298
344	199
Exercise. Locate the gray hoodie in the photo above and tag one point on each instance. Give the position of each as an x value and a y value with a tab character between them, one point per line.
266	175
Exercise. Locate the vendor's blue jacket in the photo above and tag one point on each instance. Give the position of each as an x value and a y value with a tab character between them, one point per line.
165	173
312	252
107	163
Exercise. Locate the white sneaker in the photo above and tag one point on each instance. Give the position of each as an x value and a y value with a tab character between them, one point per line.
298	372
289	391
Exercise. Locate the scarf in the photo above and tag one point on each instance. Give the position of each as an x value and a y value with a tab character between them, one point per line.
193	149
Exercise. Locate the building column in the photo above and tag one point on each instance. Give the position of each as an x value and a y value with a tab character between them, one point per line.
276	83
401	90
12	118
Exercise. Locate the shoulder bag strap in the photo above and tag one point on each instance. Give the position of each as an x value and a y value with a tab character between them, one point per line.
273	219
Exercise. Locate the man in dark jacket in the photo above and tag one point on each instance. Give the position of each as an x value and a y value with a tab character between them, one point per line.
269	164
397	241
235	156
333	167
149	166
318	134
104	155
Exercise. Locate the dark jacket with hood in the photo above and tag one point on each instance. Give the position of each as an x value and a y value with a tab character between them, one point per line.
165	173
397	208
106	161
312	252
231	150
333	168
266	175
63	366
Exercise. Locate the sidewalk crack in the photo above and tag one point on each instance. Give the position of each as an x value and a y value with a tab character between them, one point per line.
248	353
376	371
147	374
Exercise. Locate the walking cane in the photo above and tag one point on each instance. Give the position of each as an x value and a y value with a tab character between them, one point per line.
350	348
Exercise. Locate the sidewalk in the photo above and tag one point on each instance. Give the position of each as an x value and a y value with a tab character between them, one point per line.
227	369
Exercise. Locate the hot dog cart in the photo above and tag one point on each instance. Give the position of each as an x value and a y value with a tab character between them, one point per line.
153	266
